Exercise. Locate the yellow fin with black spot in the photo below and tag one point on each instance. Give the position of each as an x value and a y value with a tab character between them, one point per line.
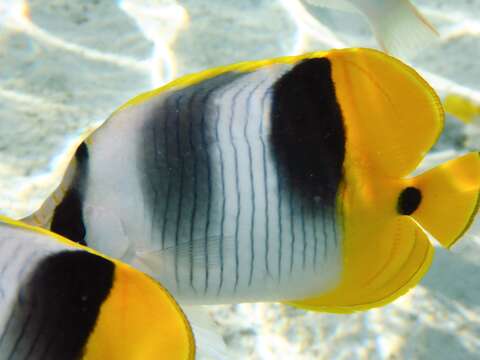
386	252
450	198
392	118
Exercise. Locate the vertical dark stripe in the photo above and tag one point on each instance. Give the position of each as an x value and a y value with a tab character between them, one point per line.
180	185
8	259
292	230
334	227
194	190
304	235
209	188
252	185
21	335
12	256
48	323
43	319
280	223
192	111
157	150
222	171
42	315
325	230
29	259
265	177
49	344
168	175
315	235
308	138
308	135
6	328
235	155
222	217
185	176
67	219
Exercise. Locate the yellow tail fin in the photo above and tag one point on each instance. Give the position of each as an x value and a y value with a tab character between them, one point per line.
449	198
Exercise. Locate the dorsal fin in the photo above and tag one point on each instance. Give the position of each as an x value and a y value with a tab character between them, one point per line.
392	116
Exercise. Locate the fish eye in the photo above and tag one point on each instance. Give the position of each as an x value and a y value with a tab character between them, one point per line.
409	200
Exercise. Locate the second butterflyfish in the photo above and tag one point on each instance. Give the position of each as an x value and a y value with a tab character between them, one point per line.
60	300
286	179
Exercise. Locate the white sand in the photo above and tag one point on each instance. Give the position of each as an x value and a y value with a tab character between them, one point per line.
66	65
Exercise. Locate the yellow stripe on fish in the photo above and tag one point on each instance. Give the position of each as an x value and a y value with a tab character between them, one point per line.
284	179
60	300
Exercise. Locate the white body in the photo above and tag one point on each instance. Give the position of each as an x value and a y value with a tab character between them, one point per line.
300	256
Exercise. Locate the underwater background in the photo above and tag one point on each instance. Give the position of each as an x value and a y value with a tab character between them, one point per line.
66	65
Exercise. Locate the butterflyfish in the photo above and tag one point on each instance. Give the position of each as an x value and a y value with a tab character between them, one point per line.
286	179
60	300
398	26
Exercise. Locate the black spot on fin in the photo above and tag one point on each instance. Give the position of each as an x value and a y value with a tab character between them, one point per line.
308	134
61	303
409	200
68	215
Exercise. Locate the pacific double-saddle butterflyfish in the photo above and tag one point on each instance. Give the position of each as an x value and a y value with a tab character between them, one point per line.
277	180
60	300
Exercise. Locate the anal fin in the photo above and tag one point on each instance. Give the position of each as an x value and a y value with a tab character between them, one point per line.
372	284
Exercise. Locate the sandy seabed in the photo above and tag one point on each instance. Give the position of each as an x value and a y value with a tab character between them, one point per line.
65	66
